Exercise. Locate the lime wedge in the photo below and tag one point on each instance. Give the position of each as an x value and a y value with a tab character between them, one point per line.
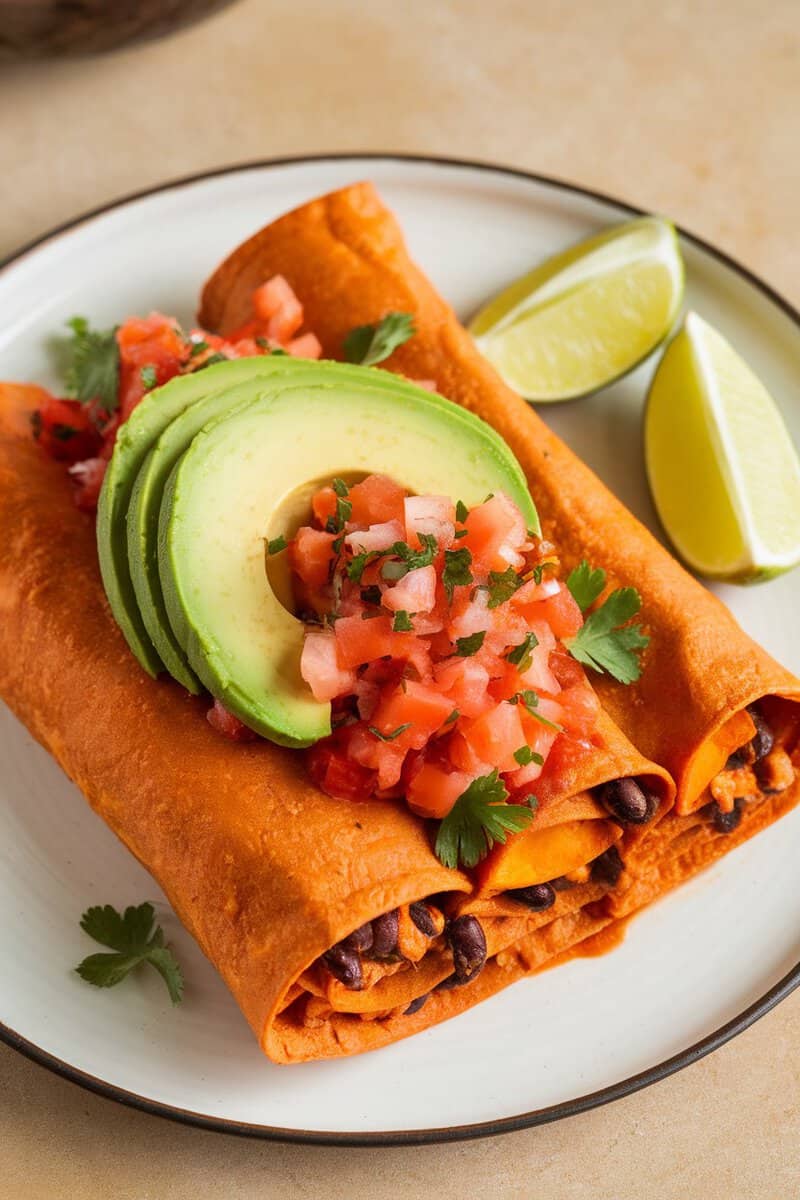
587	316
724	474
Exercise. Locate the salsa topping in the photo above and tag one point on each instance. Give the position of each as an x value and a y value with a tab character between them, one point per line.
443	657
111	370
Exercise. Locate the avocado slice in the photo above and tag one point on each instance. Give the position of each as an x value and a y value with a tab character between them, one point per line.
145	499
242	473
133	443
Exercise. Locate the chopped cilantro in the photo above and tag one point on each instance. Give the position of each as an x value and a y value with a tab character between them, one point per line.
530	701
479	818
389	737
198	347
371	344
134	941
93	373
502	585
275	545
456	572
467	646
459	533
520	656
607	643
586	584
211	361
462	512
402	622
454	715
411	559
344	507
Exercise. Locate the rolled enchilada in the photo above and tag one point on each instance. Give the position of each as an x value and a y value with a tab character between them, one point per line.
279	883
711	706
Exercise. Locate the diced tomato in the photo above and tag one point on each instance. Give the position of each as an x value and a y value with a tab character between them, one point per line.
311	554
433	515
88	476
496	735
276	305
462	755
423	709
320	667
466	682
151	341
495	534
414	593
376	499
335	773
64	429
306	346
433	791
323	504
562	613
228	725
360	641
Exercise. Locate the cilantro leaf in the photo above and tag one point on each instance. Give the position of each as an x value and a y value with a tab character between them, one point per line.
502	585
586	584
525	755
93	372
389	737
199	347
344	508
454	715
134	941
462	512
411	559
520	656
275	545
467	646
148	376
456	571
371	344
402	622
479	818
606	643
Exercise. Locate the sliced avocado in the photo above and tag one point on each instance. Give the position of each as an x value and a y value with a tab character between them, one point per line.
242	470
145	499
133	443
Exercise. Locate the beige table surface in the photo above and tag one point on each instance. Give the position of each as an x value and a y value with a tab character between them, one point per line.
693	110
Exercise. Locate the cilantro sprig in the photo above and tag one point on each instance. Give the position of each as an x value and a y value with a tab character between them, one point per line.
469	645
371	344
479	818
520	655
606	642
93	371
134	940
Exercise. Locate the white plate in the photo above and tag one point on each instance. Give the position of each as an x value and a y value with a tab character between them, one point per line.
694	970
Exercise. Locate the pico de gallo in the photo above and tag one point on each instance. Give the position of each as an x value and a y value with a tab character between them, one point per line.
435	631
113	370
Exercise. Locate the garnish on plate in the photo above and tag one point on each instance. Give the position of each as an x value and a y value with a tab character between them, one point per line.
133	940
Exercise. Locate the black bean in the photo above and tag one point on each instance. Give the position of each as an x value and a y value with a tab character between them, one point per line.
726	822
629	803
345	965
764	739
537	898
416	1005
608	867
360	939
467	941
421	916
384	935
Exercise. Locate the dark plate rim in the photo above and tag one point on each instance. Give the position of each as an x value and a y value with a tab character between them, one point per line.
454	1133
